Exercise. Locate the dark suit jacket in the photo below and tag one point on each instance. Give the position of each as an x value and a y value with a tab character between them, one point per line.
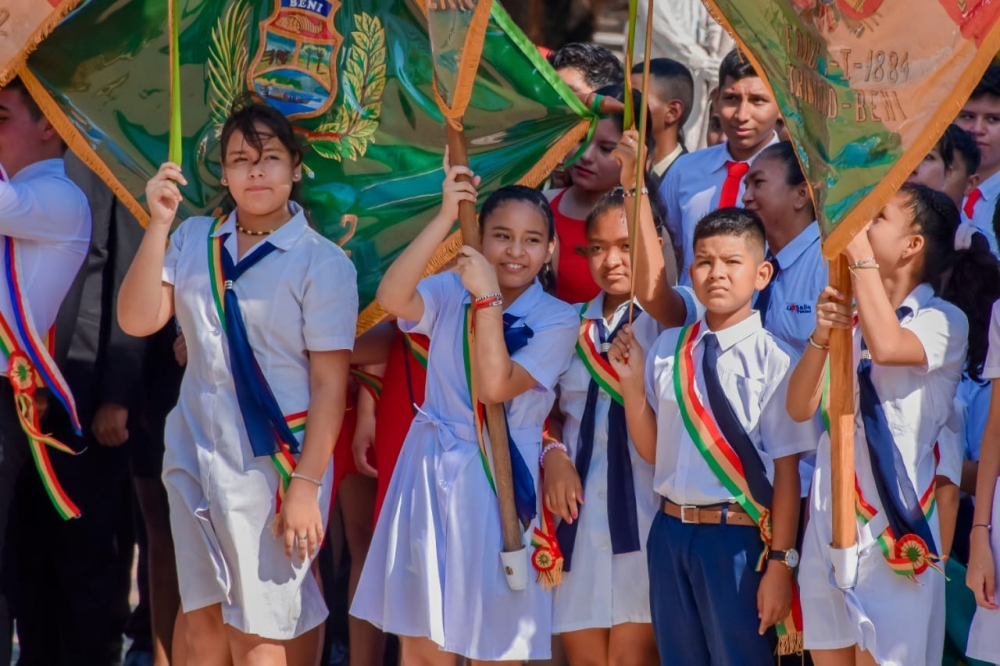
100	362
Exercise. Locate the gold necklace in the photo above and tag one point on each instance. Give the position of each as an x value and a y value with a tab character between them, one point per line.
250	232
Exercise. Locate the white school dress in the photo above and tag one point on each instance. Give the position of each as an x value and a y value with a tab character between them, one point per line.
898	621
603	589
984	635
433	568
300	298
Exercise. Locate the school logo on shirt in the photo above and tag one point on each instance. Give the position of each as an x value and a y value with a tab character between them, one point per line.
295	71
800	308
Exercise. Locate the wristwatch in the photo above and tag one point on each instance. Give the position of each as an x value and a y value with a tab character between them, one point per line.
790	557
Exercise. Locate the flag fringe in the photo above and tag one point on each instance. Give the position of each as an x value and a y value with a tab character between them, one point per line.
13	66
79	144
791	644
866	209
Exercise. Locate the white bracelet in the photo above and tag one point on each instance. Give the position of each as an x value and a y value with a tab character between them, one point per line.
550	447
296	475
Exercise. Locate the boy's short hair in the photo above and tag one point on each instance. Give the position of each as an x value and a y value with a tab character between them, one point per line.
965	147
989	84
673	81
735	66
599	66
33	109
733	221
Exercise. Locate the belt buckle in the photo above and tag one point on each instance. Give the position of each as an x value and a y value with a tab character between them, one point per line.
684	514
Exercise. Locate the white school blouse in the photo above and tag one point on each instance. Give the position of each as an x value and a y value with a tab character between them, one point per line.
982	215
49	218
301	298
753	368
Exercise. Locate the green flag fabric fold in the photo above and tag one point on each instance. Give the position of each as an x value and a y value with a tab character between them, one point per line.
354	76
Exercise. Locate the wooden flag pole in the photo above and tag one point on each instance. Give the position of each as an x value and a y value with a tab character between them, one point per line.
496	424
175	146
841	412
640	162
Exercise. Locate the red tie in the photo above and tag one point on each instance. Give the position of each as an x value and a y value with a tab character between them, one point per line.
971	201
731	188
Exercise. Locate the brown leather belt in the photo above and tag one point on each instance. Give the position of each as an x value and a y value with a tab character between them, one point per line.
708	515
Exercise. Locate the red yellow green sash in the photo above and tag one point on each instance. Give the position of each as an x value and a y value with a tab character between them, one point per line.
369	382
909	556
419	347
728	469
599	367
25	374
284	461
478	409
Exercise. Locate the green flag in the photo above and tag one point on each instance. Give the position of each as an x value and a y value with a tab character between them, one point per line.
866	88
354	76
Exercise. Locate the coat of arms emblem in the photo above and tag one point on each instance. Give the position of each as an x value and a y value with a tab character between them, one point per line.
295	66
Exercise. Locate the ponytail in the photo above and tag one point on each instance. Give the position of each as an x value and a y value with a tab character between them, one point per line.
968	278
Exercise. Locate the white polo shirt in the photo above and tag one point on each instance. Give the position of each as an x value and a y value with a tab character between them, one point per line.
753	369
691	190
791	315
49	218
982	218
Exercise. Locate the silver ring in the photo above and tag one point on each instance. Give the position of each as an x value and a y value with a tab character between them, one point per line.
630	142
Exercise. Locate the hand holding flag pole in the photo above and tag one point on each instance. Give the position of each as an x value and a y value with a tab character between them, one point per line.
458	31
640	163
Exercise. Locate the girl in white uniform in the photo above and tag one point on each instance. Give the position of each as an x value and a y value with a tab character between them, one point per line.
984	541
910	348
257	287
433	574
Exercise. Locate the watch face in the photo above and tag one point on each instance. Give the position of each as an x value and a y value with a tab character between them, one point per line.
792	558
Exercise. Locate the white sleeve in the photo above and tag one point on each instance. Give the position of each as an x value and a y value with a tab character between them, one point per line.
991	370
436	291
174	252
330	305
550	349
44	209
780	435
944	335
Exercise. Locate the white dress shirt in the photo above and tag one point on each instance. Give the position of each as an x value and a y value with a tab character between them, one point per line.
49	218
691	190
982	216
753	368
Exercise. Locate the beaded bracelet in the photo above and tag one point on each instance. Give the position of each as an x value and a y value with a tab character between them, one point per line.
550	447
494	301
631	193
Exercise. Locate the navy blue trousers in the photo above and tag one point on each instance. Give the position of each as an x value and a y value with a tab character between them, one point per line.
703	594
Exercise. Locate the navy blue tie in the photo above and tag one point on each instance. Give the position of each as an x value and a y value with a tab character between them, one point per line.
265	423
895	491
515	338
734	432
764	297
623	520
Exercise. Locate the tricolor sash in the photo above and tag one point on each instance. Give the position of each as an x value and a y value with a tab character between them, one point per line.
283	429
623	520
30	364
372	384
910	555
418	346
524	482
729	469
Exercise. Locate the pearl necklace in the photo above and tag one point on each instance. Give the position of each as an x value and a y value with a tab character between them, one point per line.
250	232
